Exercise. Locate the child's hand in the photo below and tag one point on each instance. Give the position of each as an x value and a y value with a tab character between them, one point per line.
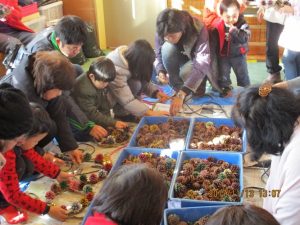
232	28
163	78
63	176
162	97
121	125
76	156
58	213
157	113
51	158
98	132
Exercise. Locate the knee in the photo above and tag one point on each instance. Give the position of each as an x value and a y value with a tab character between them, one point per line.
168	51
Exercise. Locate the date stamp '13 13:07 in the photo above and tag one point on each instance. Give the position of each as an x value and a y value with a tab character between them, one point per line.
247	193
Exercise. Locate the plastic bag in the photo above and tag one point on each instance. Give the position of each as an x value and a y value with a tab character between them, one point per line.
90	47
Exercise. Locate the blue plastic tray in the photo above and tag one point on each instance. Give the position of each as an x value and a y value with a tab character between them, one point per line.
235	159
190	214
218	122
156	120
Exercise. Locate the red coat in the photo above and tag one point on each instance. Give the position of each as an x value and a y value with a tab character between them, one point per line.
14	18
97	219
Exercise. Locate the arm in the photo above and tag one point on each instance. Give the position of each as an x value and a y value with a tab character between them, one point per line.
122	93
9	187
201	63
159	66
241	34
57	112
41	165
88	105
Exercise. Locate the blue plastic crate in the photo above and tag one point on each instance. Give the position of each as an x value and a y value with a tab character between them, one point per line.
190	214
155	120
217	122
235	159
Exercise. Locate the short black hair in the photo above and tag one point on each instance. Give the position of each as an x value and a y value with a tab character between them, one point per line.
41	120
133	195
140	57
103	69
71	30
15	113
269	121
225	4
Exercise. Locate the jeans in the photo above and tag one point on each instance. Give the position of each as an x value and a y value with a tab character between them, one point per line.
273	31
291	62
239	66
178	65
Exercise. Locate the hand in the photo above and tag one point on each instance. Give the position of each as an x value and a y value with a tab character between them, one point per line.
260	14
162	97
58	213
51	158
232	28
98	132
163	78
76	156
63	176
283	85
176	105
157	113
121	125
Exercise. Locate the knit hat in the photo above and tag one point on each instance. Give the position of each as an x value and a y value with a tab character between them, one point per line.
15	112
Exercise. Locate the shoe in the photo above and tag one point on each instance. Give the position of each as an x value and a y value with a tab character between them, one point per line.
273	78
226	92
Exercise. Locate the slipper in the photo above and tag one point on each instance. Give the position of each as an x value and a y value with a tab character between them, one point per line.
13	216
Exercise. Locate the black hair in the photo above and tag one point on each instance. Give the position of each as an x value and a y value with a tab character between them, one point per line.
140	57
133	195
103	69
225	4
15	113
52	70
242	215
172	21
269	121
71	30
41	120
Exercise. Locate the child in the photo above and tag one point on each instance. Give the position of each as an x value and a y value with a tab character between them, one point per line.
91	95
242	215
134	194
11	196
234	34
15	117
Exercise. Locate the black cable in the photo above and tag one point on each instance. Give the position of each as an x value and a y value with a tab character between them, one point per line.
89	145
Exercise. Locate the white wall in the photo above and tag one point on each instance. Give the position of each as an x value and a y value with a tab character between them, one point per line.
128	20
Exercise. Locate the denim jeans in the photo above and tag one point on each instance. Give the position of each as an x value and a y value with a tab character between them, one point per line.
239	66
291	62
273	31
178	65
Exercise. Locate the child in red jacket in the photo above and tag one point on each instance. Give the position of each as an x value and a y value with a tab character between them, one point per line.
10	194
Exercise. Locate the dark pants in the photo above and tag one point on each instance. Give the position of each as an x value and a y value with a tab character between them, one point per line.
10	37
272	49
239	66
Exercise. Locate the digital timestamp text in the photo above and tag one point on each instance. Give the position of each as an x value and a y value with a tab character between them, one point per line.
246	193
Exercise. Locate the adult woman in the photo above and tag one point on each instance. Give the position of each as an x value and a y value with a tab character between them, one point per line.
134	194
43	77
271	119
134	66
182	52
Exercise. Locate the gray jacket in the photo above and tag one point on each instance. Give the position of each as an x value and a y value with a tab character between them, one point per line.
125	92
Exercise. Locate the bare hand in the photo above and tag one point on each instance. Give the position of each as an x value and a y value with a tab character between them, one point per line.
162	97
157	113
51	158
287	9
76	156
163	78
63	176
121	125
260	14
176	105
98	132
58	213
283	85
